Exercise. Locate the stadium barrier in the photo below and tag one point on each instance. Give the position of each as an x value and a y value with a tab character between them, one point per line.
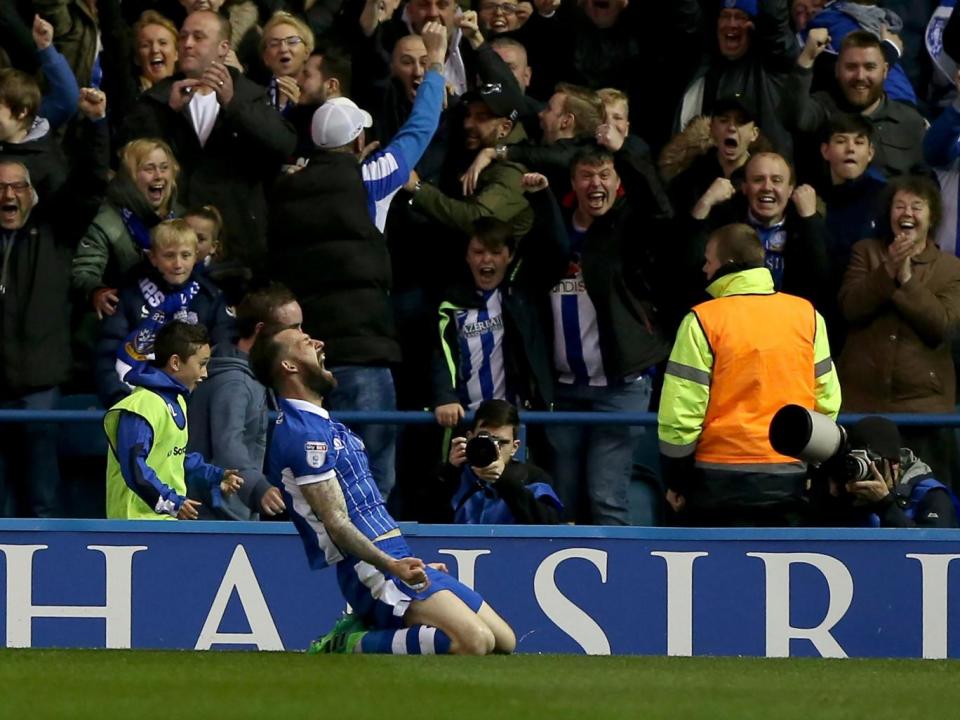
649	591
653	591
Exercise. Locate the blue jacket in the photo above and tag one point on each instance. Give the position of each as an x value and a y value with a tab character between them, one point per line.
59	104
386	171
208	306
515	499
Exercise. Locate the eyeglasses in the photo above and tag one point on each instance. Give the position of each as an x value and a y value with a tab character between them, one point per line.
505	8
19	186
291	42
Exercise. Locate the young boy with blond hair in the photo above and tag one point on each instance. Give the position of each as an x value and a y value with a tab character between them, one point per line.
167	287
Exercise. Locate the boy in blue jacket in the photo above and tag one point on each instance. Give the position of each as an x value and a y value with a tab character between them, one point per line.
171	287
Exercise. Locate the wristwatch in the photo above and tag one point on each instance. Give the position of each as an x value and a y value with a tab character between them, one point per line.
416	189
500	152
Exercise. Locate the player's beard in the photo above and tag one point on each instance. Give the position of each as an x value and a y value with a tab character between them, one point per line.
320	380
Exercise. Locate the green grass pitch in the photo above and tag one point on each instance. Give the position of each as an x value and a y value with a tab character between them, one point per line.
141	685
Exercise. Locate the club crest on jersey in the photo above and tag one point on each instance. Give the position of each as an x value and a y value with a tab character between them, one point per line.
316	453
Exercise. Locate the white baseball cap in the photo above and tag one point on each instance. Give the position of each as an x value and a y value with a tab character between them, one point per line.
337	122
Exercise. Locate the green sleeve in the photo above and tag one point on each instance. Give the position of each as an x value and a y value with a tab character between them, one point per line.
90	260
686	390
500	195
826	387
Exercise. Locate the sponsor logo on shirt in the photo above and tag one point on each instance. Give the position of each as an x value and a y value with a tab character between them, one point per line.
483	326
570	286
316	453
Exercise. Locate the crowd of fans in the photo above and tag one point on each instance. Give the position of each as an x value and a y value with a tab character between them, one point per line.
505	201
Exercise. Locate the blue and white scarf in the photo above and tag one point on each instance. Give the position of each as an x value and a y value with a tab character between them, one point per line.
138	228
160	309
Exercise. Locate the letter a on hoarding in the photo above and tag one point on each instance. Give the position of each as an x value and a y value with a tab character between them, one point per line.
263	632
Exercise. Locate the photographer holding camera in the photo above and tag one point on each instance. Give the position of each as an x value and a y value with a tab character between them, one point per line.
884	485
481	483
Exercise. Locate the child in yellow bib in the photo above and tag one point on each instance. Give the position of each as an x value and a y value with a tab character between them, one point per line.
147	463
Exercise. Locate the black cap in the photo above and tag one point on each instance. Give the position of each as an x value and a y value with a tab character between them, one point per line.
739	102
500	98
877	434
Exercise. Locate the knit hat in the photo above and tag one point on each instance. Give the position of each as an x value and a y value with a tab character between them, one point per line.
747	6
877	434
338	122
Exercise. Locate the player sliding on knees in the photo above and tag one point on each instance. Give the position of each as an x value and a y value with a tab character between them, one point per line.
400	605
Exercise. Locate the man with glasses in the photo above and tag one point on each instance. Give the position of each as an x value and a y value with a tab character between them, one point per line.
227	138
497	16
35	269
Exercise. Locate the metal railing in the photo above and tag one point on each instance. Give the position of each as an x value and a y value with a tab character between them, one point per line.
419	417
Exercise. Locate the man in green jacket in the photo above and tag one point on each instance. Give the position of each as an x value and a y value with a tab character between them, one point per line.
490	121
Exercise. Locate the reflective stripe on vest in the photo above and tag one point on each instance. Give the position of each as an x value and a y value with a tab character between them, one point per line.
763	359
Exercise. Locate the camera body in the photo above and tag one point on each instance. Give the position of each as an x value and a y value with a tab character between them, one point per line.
818	440
482	450
855	465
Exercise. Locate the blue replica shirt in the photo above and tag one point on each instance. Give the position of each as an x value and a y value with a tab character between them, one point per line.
309	447
480	333
386	171
576	335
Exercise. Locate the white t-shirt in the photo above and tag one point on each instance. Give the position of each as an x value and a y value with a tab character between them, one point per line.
203	113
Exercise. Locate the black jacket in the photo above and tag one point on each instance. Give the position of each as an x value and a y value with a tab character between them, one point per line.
326	249
35	267
40	153
248	143
760	74
34	308
553	160
690	185
806	265
624	275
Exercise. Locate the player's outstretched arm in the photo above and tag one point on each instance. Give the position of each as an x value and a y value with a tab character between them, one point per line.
326	500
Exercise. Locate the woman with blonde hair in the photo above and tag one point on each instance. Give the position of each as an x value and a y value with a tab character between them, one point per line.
156	48
142	194
286	44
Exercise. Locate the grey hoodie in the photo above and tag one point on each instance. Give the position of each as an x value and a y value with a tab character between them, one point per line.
228	426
